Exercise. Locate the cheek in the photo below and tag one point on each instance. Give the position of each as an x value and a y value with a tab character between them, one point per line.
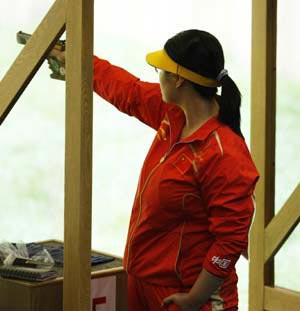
168	94
165	88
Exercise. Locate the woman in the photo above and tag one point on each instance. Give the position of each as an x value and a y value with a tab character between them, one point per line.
194	203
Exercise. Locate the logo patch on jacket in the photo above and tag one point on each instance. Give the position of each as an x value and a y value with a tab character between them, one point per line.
221	262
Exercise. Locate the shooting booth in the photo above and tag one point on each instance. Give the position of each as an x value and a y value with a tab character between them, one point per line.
78	286
73	291
269	231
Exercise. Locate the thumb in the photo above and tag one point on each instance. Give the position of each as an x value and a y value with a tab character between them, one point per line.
60	55
168	300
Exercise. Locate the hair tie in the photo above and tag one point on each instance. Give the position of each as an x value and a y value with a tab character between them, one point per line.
221	75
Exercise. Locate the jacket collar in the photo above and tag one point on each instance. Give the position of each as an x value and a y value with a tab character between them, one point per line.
177	121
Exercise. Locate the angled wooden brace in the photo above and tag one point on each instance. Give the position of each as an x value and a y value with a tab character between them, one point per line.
31	57
282	225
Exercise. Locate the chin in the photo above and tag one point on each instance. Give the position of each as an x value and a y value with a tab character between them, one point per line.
164	98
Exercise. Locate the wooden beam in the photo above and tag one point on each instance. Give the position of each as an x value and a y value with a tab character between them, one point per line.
278	299
121	295
78	157
31	57
282	224
263	113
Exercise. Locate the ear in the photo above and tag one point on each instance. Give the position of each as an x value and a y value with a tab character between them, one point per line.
179	81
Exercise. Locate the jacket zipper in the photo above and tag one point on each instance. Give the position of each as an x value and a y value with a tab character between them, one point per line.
163	158
140	194
140	205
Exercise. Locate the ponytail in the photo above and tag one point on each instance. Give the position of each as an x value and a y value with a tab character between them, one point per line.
230	102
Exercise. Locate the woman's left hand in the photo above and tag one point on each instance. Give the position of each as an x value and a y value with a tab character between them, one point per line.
183	301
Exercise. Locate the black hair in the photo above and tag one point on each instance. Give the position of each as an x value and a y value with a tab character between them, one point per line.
200	52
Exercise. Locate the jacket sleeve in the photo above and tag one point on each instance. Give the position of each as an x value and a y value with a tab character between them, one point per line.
128	94
227	186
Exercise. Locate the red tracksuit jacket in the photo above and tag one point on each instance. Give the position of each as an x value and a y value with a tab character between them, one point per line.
194	203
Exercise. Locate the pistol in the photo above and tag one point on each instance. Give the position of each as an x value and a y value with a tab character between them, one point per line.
57	67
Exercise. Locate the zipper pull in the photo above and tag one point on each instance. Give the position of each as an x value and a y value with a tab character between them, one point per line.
162	159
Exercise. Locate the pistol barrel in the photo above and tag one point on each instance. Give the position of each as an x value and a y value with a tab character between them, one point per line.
23	38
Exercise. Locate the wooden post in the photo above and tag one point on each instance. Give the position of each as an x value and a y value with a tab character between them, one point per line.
78	157
263	93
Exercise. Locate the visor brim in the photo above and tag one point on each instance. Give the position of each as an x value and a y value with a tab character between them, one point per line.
161	60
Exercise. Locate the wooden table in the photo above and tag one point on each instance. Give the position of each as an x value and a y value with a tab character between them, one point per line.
18	295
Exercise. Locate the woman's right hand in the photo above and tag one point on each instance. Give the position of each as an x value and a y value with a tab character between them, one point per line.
56	60
60	55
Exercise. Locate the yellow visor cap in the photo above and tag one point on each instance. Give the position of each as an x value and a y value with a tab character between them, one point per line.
161	60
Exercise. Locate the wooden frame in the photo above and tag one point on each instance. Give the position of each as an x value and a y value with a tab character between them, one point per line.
268	232
77	17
